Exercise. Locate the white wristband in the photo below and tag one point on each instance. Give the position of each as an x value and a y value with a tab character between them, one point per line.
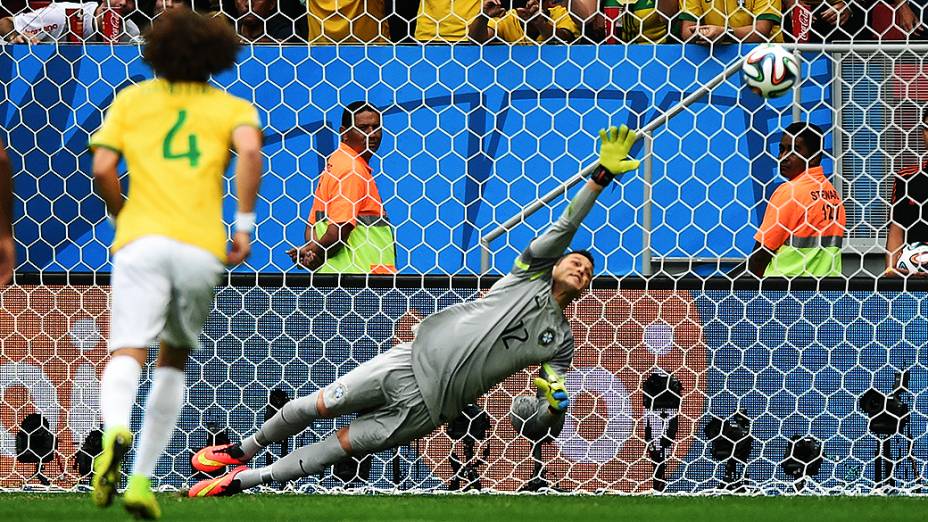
245	222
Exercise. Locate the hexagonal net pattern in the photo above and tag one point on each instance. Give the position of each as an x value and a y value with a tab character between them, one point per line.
654	371
674	390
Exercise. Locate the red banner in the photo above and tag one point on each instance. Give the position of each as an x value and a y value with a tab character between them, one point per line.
53	350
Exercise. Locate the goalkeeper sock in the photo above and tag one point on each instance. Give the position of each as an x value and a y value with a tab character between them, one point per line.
293	418
161	412
302	462
250	446
118	388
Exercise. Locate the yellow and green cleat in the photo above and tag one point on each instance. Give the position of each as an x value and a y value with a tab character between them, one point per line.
106	466
139	500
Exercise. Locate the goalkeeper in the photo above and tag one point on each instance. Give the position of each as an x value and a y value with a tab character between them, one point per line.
457	355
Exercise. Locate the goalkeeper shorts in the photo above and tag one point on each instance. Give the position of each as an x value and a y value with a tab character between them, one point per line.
386	385
162	289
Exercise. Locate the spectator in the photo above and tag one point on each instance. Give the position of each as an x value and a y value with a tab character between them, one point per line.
164	5
527	24
401	17
591	20
445	20
912	18
644	21
51	24
7	245
261	22
348	230
720	21
826	21
148	10
347	21
803	227
900	19
566	28
909	214
12	7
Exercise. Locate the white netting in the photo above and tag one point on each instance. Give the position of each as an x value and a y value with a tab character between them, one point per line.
473	135
783	359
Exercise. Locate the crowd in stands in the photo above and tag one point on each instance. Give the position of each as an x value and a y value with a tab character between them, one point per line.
492	21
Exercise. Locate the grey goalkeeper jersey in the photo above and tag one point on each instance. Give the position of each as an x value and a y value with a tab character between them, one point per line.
464	350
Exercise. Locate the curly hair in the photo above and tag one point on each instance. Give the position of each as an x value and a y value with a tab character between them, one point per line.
182	46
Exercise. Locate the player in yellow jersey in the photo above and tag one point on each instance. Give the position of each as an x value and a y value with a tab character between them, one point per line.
175	133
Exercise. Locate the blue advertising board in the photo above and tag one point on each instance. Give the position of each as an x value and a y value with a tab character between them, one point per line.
471	136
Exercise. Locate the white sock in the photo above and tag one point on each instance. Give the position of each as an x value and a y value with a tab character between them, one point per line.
118	388
161	412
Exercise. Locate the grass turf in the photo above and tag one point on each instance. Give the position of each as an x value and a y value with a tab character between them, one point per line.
483	508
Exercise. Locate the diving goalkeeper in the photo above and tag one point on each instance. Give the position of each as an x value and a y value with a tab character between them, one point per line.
457	355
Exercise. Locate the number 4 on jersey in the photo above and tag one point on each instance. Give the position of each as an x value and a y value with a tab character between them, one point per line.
192	154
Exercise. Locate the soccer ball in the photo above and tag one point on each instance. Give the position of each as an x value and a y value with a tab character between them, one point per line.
914	258
770	70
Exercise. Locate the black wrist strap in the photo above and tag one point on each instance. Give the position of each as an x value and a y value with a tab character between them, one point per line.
602	176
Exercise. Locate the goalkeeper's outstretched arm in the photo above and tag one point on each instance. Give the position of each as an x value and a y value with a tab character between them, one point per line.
614	161
543	416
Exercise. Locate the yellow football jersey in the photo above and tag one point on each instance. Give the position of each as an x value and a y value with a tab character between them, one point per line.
733	13
510	28
176	140
445	20
643	23
347	21
563	20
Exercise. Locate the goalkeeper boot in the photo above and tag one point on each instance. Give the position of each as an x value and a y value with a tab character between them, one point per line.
139	500
106	466
214	458
223	486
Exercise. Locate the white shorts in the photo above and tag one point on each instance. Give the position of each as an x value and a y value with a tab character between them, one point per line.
162	290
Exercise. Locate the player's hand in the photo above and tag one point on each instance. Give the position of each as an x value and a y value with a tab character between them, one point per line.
709	33
907	21
305	257
298	254
553	388
24	39
493	9
241	248
531	9
890	272
615	144
895	272
901	272
7	258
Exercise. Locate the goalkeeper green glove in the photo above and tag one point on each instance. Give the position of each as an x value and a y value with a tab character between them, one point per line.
615	144
553	388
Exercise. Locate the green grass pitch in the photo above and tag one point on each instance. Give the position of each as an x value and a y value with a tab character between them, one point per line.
477	508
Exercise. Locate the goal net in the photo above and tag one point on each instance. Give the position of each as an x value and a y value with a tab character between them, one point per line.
690	383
